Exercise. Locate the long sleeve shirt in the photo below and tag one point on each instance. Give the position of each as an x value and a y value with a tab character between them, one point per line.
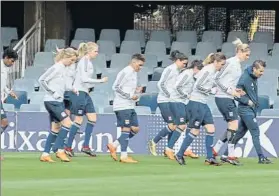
227	78
5	91
204	84
249	84
184	86
166	84
70	76
124	88
84	75
54	83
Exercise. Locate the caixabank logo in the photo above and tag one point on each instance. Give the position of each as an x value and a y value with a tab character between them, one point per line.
267	133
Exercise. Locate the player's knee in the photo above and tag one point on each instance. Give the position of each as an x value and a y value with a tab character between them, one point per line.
4	123
92	117
67	122
195	132
55	127
135	129
68	112
126	129
233	125
182	127
171	126
210	128
78	119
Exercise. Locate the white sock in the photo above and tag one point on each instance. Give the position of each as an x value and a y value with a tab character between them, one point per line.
124	155
115	143
45	154
60	150
167	148
218	146
189	148
231	150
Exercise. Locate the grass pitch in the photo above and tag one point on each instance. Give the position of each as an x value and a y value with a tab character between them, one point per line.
24	175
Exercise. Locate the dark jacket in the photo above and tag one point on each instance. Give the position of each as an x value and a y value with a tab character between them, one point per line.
249	84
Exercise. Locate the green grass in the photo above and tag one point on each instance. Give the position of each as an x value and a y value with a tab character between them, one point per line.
23	175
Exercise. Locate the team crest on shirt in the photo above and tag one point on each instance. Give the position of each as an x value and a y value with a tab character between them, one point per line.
80	111
197	123
181	119
127	122
63	114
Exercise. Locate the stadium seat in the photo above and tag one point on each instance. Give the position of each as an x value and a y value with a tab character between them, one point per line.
228	49
75	42
193	57
106	47
205	48
27	85
157	73
37	98
259	51
85	34
8	107
152	87
213	36
135	35
111	35
130	47
183	47
156	48
44	59
143	76
143	110
187	36
150	62
51	44
264	37
119	61
270	112
34	72
7	35
263	103
242	35
161	36
100	63
166	61
21	99
108	109
30	108
275	50
150	100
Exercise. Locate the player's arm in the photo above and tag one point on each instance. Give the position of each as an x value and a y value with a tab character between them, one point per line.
201	83
179	86
121	79
46	77
223	72
83	67
162	82
243	84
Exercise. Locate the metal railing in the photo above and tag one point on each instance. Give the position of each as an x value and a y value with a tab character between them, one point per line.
26	49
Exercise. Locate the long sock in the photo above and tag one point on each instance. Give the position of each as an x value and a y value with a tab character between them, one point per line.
50	141
88	131
59	143
220	142
124	141
175	136
230	135
3	129
186	143
132	134
169	136
209	144
163	133
73	131
116	143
